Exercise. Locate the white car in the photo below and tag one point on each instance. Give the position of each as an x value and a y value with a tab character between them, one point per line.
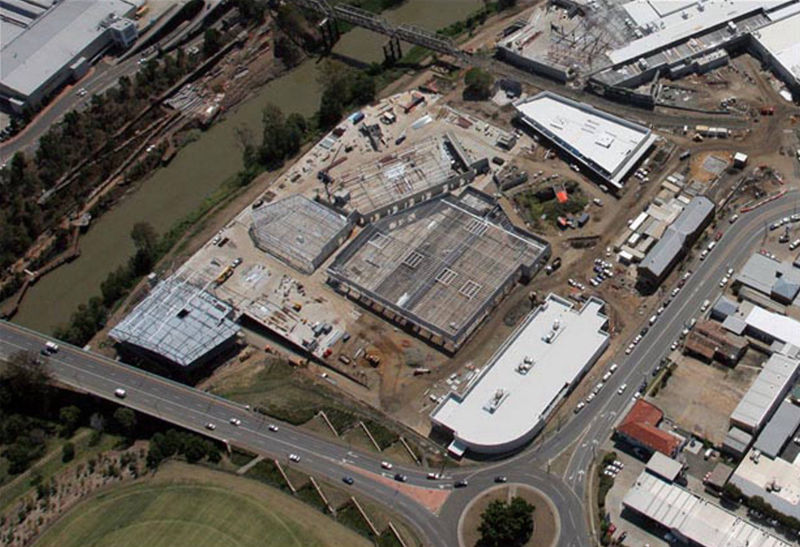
272	427
674	345
723	281
613	368
590	398
730	272
733	219
210	426
236	421
579	407
704	254
622	389
637	339
675	291
386	465
629	349
121	393
294	457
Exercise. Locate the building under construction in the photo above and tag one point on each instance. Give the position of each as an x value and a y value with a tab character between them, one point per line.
438	268
404	178
179	324
621	49
299	231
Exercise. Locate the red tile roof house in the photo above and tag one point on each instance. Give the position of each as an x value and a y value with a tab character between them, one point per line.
640	428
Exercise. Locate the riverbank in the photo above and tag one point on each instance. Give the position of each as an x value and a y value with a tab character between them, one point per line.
200	169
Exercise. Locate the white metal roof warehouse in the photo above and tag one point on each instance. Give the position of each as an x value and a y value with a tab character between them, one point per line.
693	519
507	403
781	42
608	145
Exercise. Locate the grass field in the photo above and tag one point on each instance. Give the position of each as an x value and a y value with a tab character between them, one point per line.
212	509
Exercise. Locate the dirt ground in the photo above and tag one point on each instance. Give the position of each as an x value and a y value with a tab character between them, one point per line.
544	524
700	398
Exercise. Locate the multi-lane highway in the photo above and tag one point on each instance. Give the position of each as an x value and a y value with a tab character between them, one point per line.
193	409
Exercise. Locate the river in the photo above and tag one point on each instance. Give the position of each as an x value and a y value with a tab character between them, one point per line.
200	167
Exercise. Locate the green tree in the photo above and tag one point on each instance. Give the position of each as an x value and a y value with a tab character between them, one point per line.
331	108
67	452
506	524
479	84
273	140
362	89
287	51
25	383
126	420
69	417
144	237
505	4
296	128
212	42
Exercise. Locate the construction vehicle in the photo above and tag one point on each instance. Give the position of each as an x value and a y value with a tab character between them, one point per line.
224	275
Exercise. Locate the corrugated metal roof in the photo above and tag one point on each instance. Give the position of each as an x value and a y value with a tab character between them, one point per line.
702	522
53	40
782	425
669	247
769	387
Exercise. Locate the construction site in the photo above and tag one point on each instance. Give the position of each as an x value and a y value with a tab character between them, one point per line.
627	50
413	174
274	265
438	268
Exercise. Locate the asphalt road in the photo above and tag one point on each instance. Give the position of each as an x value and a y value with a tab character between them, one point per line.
192	409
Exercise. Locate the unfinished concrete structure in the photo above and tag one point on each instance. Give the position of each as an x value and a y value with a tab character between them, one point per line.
404	178
440	267
299	231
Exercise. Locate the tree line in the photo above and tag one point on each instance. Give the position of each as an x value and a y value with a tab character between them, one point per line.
66	144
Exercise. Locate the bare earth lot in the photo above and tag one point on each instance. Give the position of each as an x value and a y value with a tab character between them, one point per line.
701	397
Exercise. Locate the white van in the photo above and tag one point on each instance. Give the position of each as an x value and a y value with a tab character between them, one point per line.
653	320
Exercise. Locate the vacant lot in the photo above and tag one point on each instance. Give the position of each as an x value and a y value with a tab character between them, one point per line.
700	397
187	505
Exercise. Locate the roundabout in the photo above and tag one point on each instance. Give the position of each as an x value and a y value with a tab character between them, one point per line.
546	520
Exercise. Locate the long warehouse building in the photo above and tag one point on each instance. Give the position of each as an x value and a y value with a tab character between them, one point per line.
44	49
509	401
607	145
